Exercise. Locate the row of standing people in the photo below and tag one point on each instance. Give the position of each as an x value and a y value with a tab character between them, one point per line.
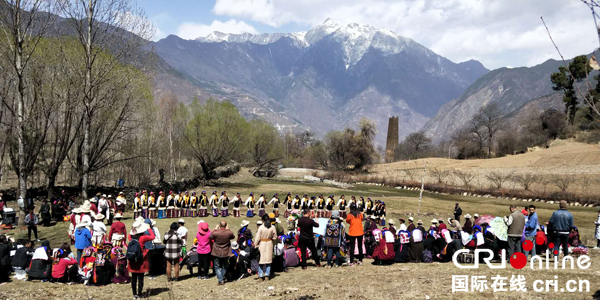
182	204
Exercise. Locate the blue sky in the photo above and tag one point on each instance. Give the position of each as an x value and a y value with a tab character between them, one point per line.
498	33
167	16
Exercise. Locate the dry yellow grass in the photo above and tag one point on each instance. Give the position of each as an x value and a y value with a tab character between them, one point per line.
562	158
399	281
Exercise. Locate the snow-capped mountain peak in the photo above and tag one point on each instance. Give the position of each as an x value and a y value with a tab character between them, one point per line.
355	39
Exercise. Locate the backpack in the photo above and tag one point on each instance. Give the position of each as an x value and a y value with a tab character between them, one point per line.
134	251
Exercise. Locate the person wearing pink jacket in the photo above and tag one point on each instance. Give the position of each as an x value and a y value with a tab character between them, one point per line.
203	249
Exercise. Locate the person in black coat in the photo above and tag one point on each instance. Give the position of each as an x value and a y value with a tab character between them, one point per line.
45	212
5	260
41	268
22	256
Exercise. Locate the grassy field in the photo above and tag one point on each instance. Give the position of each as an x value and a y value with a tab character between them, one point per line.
399	281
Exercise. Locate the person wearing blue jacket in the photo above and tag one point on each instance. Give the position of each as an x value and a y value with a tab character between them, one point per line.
531	229
562	223
83	238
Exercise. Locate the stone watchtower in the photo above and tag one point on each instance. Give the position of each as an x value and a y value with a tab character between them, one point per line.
392	139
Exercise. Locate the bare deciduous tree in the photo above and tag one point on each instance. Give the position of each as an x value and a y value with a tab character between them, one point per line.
23	23
439	174
498	178
465	177
411	173
563	182
114	26
526	180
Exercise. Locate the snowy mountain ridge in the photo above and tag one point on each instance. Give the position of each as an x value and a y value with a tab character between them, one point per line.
356	39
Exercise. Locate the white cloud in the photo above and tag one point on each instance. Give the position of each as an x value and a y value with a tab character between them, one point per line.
498	33
192	30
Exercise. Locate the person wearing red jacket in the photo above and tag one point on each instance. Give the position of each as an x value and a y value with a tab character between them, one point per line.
117	232
138	269
441	225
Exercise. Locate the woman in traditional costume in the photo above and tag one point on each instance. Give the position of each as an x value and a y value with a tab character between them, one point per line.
194	205
342	206
261	205
170	205
203	204
144	201
288	205
320	207
237	202
329	206
162	205
224	200
275	202
214	204
250	205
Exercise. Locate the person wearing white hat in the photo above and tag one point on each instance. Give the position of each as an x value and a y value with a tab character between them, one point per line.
244	233
182	232
139	268
99	230
468	226
74	219
391	227
83	237
411	225
120	203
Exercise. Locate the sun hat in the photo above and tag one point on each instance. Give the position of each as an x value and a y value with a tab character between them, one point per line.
467	216
181	221
93	200
203	228
139	227
420	222
120	193
245	223
99	217
374	217
84	223
277	220
411	219
85	208
271	216
259	222
118	216
391	222
103	195
109	196
201	221
335	214
234	245
476	215
441	220
434	221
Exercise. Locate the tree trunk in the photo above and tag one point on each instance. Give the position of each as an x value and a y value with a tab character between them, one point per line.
51	184
89	98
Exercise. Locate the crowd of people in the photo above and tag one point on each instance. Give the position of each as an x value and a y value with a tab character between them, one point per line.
311	228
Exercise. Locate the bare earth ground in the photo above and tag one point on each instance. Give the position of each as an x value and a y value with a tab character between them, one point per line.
562	158
399	281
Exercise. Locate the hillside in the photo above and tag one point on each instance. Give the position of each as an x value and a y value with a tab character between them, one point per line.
561	158
510	88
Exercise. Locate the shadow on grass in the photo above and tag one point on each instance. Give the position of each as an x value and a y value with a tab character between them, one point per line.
156	291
